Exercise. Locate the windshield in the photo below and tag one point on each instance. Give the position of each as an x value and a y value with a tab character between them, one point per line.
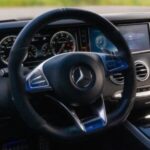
28	9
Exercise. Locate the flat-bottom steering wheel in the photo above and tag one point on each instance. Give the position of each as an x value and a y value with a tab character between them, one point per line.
77	78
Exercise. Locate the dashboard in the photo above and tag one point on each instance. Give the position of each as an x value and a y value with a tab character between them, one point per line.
74	35
45	44
49	42
53	41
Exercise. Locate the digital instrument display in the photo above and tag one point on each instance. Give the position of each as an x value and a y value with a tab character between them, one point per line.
136	36
100	43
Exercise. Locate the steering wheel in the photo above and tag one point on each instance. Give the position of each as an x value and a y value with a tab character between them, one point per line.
77	78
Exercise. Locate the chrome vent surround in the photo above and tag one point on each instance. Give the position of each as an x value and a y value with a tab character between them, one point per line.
117	78
142	73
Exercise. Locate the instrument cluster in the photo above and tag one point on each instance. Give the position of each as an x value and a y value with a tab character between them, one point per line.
42	46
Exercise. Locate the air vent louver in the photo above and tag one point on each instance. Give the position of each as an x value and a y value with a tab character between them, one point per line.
117	78
142	73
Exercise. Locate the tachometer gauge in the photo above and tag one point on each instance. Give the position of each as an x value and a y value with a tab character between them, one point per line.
32	51
101	42
5	47
62	42
45	50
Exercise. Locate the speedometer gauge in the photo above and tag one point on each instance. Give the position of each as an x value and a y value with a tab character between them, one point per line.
5	47
62	42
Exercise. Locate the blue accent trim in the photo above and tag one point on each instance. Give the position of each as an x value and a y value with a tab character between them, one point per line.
12	143
113	64
93	125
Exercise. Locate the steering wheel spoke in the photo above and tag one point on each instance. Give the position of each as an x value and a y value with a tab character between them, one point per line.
36	81
113	64
97	122
96	119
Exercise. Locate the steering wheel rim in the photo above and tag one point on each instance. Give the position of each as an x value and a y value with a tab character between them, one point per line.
27	112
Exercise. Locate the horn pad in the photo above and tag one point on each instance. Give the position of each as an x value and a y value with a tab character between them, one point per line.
77	78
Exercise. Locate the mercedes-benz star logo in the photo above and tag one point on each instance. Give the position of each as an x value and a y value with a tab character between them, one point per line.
82	77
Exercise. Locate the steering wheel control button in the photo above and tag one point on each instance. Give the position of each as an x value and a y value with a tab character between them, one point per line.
36	82
82	77
114	64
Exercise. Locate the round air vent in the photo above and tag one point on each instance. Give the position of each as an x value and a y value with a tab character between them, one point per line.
142	71
117	78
